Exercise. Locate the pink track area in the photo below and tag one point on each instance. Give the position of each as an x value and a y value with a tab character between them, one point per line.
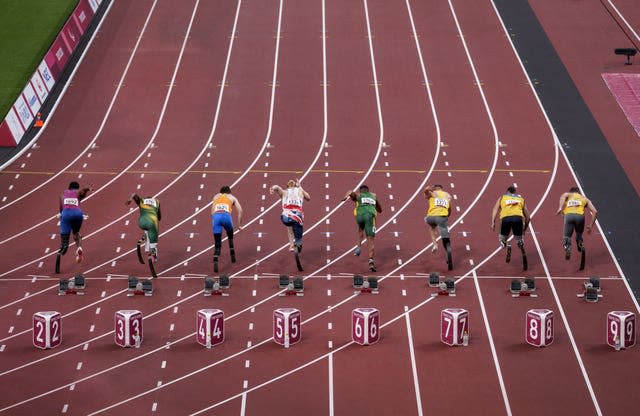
626	89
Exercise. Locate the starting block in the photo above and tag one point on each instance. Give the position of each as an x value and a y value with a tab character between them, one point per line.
283	281
137	287
445	288
539	327
370	285
365	326
591	291
295	287
47	329
128	328
454	327
214	287
210	327
526	287
621	329
72	286
286	326
434	279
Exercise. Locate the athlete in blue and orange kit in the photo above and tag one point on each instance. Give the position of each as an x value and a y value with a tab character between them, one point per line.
150	216
71	217
514	217
572	205
221	208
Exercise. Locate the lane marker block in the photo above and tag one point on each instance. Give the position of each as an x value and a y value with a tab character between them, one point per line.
209	327
454	326
128	328
47	329
286	326
539	327
621	329
365	326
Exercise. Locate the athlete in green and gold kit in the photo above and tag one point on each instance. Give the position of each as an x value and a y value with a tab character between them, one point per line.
366	210
150	217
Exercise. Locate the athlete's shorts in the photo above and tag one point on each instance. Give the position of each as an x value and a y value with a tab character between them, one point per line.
220	221
441	222
573	222
70	220
367	222
513	223
149	225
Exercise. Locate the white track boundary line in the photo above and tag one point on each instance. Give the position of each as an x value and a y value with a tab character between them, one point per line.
635	34
414	367
64	89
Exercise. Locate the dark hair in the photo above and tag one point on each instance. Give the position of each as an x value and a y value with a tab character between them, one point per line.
574	189
74	185
225	190
437	186
511	189
364	188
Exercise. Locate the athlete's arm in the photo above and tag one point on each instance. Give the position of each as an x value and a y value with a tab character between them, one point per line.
428	192
351	195
527	218
84	192
159	213
450	204
305	194
276	189
594	214
494	212
134	197
236	203
563	200
378	206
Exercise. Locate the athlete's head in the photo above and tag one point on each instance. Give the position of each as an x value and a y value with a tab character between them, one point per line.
225	190
511	189
74	185
292	183
364	188
575	189
437	186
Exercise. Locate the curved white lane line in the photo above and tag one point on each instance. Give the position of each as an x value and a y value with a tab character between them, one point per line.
102	124
64	90
635	34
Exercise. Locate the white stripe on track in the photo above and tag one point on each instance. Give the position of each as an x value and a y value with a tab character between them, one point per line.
635	34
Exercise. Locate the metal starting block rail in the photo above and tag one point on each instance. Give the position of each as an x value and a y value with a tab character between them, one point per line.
72	286
293	287
591	291
370	285
523	288
216	287
137	287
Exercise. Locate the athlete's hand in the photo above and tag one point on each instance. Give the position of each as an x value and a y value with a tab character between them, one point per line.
589	228
558	212
493	225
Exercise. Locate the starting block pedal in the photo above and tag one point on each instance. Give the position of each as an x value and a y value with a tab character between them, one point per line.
526	287
370	285
283	282
295	287
445	288
591	291
72	286
214	287
434	279
137	287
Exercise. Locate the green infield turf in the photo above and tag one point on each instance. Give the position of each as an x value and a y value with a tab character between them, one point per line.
27	28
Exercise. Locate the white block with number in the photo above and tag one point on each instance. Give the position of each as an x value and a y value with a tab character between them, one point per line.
365	326
454	326
539	327
47	329
621	329
286	326
209	327
128	328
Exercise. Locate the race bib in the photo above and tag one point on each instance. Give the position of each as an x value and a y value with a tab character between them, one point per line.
574	203
149	201
71	201
512	202
222	207
440	202
368	201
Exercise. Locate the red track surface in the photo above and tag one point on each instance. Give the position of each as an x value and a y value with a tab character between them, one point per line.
401	111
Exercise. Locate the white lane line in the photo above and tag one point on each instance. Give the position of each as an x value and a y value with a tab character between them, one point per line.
494	354
331	405
414	367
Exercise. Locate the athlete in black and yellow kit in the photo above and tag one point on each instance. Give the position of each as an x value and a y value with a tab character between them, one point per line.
150	217
437	218
572	205
221	207
514	217
366	210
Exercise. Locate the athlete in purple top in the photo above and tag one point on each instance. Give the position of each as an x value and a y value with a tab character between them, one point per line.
71	218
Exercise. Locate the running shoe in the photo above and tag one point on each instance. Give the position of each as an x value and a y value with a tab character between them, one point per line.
567	251
357	252
372	266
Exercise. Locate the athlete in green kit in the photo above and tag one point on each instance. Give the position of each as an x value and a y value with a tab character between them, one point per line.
366	210
149	222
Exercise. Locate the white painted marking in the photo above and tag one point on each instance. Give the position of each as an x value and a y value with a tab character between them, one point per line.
414	367
328	292
330	344
468	247
248	344
159	383
103	294
118	249
85	346
399	261
122	236
164	364
171	327
329	325
464	233
72	387
113	263
397	247
188	249
11	328
65	408
404	292
79	366
2	347
446	163
471	262
253	293
154	406
245	384
250	326
247	363
19	312
258	248
328	248
175	309
92	328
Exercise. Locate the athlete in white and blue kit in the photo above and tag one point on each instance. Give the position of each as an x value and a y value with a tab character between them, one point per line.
71	217
292	215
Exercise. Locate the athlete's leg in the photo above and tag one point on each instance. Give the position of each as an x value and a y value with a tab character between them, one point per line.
567	232
64	244
232	249
217	244
517	226
297	234
443	229
579	227
505	230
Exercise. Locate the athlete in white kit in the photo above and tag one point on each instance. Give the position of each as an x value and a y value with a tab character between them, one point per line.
292	215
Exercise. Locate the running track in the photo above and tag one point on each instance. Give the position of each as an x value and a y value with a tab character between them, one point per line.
394	94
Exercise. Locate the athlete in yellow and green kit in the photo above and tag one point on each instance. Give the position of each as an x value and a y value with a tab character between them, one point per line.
366	210
150	217
514	217
437	218
572	205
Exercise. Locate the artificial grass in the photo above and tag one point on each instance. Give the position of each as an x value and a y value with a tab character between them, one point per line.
27	28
